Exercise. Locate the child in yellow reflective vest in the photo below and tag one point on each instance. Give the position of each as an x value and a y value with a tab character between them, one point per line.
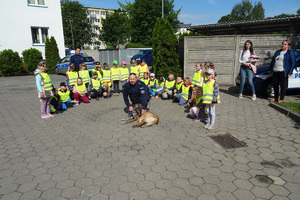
197	105
159	87
44	87
54	101
143	67
210	98
152	84
146	79
80	92
96	86
106	81
178	85
115	77
71	79
84	74
124	73
64	96
169	87
186	92
134	68
197	75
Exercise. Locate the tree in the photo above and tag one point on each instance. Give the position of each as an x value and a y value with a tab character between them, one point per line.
164	44
31	58
244	11
143	14
51	54
77	29
298	11
182	35
10	63
115	29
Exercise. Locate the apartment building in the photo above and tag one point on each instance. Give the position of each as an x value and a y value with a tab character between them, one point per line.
25	24
95	16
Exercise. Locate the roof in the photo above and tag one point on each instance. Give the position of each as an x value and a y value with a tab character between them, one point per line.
181	25
267	25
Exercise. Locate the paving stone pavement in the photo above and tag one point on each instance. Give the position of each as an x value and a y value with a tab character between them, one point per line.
86	153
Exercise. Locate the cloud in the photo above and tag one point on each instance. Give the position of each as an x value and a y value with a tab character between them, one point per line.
196	19
212	2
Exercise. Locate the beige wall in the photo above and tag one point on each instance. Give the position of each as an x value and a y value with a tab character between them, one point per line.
224	52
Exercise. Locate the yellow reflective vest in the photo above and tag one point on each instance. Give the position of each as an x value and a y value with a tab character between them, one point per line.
146	81
124	73
98	72
142	70
46	81
208	95
178	86
96	83
115	74
185	92
84	76
80	88
64	96
72	77
106	77
153	82
197	78
134	70
169	84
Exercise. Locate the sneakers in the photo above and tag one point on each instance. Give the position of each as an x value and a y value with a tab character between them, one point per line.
77	103
240	96
206	125
50	116
108	96
156	96
196	120
211	126
253	97
273	100
45	116
280	101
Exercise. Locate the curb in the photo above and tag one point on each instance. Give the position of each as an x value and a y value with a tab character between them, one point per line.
291	114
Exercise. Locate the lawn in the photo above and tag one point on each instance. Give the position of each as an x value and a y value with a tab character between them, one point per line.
292	106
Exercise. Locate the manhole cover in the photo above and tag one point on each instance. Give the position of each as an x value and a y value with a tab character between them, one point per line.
264	179
227	141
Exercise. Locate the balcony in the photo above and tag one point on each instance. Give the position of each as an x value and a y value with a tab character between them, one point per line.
92	15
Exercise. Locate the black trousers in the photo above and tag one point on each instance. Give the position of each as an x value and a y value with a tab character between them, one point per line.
280	79
116	86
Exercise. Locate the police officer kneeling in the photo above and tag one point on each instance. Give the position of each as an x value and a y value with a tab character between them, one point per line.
137	92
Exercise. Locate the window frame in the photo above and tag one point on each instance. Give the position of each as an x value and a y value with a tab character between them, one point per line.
40	35
36	4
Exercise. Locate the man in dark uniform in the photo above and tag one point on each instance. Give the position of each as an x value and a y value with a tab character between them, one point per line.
137	92
76	59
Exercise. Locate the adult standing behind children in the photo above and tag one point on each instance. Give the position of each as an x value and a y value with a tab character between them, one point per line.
282	66
137	92
245	70
76	59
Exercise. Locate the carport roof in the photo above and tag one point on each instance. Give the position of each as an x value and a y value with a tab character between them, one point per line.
260	26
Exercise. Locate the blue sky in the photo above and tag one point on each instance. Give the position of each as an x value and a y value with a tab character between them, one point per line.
199	12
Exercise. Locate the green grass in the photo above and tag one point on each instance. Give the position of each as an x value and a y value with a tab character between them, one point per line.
292	106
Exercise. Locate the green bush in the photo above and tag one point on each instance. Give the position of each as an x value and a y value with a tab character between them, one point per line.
10	63
31	57
164	44
51	54
134	45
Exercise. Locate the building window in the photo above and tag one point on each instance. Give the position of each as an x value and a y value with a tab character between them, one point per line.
36	2
39	35
103	13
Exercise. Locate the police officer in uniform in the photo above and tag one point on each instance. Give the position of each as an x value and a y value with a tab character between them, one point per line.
76	59
137	92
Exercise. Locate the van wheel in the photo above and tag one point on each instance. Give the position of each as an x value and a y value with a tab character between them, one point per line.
268	88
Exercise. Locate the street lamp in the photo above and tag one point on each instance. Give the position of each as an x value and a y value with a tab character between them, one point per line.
162	8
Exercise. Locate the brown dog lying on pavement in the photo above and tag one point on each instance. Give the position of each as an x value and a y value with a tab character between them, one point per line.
145	120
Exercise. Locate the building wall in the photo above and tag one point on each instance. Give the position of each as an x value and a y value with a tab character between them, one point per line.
18	18
224	52
97	17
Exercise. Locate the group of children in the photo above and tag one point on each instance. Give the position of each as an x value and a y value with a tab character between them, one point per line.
82	86
201	94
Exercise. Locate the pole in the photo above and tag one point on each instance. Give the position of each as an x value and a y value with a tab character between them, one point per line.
72	34
162	8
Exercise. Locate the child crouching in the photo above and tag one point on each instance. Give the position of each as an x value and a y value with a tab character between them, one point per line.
197	105
64	95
